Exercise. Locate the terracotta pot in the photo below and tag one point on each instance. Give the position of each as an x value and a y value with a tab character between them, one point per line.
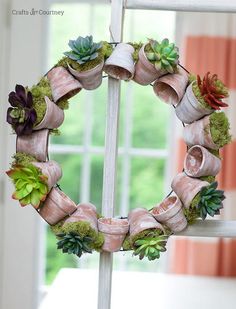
85	212
63	84
171	87
53	118
51	169
186	188
56	207
140	220
200	162
190	109
120	64
35	144
114	231
145	71
170	213
198	133
90	79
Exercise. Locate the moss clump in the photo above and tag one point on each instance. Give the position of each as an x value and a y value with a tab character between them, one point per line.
22	159
106	49
55	132
145	233
192	213
127	245
137	47
83	229
219	128
209	179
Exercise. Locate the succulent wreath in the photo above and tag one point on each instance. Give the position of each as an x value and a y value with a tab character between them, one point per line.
38	111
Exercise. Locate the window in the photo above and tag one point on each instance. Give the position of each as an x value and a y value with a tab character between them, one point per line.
143	145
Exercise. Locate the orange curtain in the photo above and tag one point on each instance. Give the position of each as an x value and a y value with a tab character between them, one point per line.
202	53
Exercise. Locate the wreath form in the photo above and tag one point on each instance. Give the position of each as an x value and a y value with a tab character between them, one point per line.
37	112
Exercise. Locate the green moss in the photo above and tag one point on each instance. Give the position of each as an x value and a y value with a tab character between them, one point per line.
127	244
192	213
137	47
81	67
83	229
39	91
55	132
106	49
209	179
63	104
145	233
22	159
197	92
219	128
220	86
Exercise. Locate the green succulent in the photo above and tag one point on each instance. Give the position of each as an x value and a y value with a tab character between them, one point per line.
150	247
210	200
164	55
73	243
30	185
83	49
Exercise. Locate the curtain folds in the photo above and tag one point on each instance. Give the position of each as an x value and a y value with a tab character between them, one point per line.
208	43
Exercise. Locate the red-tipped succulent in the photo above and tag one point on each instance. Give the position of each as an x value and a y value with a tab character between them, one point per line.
212	90
22	114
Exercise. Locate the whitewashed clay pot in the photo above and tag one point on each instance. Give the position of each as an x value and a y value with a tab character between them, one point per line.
53	118
200	162
56	207
171	88
63	84
190	109
114	231
186	188
51	169
85	212
170	213
35	144
145	71
140	220
199	133
120	64
90	79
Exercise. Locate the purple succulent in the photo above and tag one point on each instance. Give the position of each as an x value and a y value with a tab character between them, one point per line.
21	115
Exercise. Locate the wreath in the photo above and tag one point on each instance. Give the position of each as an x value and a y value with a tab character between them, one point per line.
37	112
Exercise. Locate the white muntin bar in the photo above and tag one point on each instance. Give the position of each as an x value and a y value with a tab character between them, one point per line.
110	160
226	6
211	228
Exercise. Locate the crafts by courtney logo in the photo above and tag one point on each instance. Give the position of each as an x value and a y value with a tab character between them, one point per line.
37	12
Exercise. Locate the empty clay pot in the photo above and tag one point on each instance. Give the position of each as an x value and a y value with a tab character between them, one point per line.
140	220
170	213
186	188
51	169
190	109
35	144
198	133
145	71
90	79
53	118
63	84
85	212
171	87
200	162
120	64
56	207
114	231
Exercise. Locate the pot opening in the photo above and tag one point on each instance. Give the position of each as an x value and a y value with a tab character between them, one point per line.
165	205
166	93
194	160
118	72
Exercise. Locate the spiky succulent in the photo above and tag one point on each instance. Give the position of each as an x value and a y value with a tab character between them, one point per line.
210	200
83	49
22	114
73	243
164	55
30	185
150	246
212	90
